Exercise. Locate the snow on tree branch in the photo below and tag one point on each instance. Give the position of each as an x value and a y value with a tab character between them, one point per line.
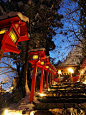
12	14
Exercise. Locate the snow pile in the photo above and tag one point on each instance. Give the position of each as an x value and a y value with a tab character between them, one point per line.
12	14
37	49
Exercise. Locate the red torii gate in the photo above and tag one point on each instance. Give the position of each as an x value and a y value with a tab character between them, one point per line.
38	59
13	29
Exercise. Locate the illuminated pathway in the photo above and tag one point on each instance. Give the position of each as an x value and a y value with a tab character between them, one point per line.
63	96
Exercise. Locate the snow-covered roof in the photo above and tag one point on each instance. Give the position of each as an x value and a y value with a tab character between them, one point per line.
47	57
12	14
37	49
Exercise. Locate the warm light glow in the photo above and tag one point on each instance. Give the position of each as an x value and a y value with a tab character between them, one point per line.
82	71
11	88
6	112
42	62
70	70
84	82
41	94
59	71
48	89
47	67
3	31
12	112
13	36
35	57
32	112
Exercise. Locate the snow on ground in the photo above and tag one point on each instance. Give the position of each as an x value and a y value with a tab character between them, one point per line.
22	105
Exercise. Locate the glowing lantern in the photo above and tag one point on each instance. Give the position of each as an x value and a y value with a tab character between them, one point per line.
42	62
35	57
59	71
70	70
47	67
13	36
13	29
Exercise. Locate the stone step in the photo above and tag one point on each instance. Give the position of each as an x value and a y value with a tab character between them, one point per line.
65	95
62	100
75	87
47	106
67	91
72	86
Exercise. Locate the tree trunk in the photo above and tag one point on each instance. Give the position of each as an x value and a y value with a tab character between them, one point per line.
25	85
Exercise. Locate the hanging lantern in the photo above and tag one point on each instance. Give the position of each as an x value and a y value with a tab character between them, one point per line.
13	29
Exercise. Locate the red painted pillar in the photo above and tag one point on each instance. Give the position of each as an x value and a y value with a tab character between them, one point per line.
41	81
51	78
59	77
47	80
33	83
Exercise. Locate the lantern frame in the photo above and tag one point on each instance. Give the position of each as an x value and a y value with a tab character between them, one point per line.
12	25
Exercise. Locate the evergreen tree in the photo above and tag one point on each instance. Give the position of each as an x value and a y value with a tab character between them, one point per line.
43	20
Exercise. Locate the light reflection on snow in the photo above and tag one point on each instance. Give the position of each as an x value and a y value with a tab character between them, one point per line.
32	112
84	82
12	112
42	94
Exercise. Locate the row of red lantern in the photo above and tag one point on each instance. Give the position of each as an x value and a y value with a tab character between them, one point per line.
41	60
38	59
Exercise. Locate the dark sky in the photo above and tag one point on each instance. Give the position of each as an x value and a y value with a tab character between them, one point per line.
70	22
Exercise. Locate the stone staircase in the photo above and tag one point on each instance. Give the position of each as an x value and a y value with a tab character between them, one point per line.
63	96
61	99
66	93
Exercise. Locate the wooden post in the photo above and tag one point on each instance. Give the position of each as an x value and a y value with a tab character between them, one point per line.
51	78
33	83
59	77
71	77
47	80
41	81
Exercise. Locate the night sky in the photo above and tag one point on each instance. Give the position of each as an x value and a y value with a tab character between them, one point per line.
70	23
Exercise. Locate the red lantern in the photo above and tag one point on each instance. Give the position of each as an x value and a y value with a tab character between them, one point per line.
37	55
12	31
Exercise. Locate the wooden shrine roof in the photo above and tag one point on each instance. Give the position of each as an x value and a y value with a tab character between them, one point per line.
64	69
